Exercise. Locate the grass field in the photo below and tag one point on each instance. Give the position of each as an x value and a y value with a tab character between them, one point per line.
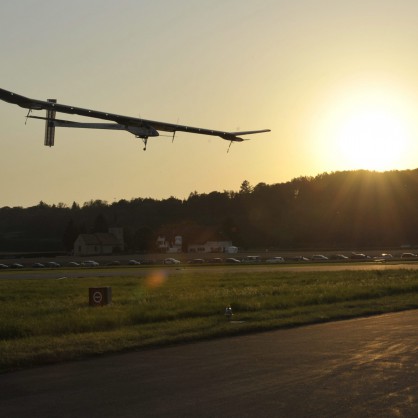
48	320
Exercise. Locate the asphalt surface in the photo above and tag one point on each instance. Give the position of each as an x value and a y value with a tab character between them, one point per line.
71	273
358	368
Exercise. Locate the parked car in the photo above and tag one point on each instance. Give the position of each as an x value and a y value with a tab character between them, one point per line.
113	263
341	257
90	263
409	255
4	266
275	260
300	258
38	265
319	257
383	257
53	264
232	260
134	262
73	264
16	266
386	256
358	256
251	259
170	260
197	261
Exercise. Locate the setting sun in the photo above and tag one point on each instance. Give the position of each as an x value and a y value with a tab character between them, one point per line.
367	129
372	138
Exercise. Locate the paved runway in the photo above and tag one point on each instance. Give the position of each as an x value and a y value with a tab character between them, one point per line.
73	273
358	368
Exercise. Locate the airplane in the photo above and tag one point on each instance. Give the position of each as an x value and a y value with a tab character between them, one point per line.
141	128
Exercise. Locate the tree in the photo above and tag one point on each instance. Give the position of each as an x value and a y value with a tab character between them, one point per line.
70	235
75	206
143	239
246	187
100	224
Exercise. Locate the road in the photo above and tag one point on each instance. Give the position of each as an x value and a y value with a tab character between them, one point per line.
365	367
61	273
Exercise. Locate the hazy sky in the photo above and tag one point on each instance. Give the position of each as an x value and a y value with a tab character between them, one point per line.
336	82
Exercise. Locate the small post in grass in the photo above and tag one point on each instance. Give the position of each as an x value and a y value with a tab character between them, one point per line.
100	296
228	312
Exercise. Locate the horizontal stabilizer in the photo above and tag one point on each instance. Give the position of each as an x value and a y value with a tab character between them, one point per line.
70	124
249	132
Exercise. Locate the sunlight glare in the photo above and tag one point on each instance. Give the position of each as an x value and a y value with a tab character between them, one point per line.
372	138
367	129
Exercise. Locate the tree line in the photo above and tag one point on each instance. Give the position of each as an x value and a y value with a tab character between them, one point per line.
340	210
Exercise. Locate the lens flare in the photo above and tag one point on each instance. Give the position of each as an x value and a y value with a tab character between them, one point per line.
156	279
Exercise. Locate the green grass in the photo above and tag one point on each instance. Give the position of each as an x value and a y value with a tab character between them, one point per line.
47	320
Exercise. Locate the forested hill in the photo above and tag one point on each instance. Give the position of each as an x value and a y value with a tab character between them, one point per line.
350	209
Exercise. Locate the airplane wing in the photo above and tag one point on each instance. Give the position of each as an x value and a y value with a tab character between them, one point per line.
141	128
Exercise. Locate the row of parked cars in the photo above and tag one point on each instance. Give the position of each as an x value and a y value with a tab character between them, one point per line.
12	266
252	259
249	259
49	264
87	263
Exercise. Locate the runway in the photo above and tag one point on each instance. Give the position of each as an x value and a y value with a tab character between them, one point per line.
103	272
365	367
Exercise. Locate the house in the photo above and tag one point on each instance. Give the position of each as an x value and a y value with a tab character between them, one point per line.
100	243
165	246
205	239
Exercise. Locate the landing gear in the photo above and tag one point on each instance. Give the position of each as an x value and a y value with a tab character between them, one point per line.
144	140
27	116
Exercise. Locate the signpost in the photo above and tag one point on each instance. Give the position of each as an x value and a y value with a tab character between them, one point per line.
100	296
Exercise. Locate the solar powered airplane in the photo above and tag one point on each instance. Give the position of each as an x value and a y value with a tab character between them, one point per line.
141	128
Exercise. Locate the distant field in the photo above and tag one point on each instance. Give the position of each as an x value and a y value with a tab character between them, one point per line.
49	320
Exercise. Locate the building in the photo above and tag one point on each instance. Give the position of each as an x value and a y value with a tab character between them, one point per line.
100	243
165	246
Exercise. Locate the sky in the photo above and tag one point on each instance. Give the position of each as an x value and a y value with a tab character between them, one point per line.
335	81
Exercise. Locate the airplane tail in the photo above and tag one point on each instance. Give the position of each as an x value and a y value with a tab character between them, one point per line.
50	126
249	132
233	136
